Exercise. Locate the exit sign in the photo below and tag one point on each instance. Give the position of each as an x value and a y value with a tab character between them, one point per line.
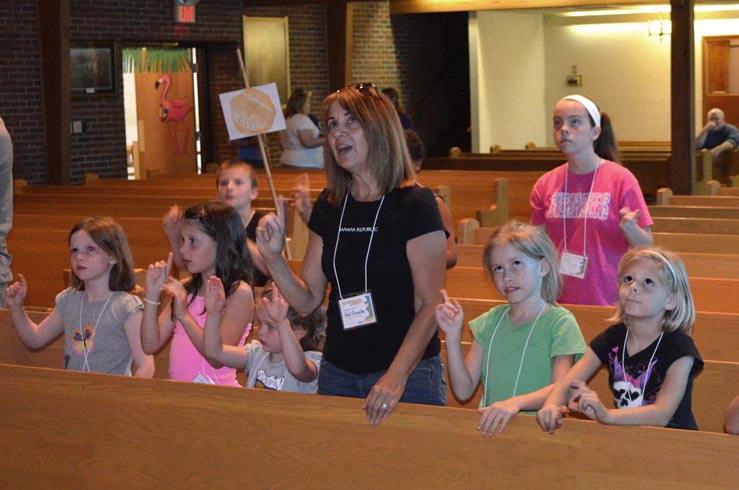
184	11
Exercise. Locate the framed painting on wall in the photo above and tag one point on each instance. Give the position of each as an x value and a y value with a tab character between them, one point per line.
267	48
92	68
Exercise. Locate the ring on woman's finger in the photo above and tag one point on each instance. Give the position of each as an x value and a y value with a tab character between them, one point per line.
385	406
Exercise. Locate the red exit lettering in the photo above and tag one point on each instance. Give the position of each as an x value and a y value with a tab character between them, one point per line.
186	13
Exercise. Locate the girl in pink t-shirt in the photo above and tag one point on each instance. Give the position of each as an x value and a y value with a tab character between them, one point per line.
591	207
213	244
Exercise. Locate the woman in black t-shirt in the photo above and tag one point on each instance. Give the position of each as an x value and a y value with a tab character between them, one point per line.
377	238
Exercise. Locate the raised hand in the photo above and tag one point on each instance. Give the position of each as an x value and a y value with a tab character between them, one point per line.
156	276
450	317
271	231
496	416
172	221
175	288
16	292
277	308
629	219
215	295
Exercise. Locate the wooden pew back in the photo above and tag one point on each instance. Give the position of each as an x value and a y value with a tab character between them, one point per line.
83	430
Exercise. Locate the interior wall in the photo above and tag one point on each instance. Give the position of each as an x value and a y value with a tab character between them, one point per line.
508	59
624	70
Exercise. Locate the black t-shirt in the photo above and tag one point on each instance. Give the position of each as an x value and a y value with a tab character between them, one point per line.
406	213
259	279
629	383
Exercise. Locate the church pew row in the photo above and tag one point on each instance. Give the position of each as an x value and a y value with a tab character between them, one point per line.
651	171
95	431
665	197
701	212
40	250
715	334
469	232
714	388
697	264
709	294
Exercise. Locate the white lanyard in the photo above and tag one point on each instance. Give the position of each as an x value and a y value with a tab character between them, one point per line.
520	365
86	364
369	246
649	365
587	209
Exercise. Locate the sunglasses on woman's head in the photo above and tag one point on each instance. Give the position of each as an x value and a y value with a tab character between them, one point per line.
368	88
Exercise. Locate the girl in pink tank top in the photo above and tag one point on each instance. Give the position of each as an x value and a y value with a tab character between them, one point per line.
213	245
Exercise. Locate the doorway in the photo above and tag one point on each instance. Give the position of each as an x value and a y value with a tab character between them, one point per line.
162	112
721	76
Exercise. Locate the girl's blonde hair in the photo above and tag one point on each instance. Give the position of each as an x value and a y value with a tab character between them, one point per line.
533	242
110	237
389	161
675	277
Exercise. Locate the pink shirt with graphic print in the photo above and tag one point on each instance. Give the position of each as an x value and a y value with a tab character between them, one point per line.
615	187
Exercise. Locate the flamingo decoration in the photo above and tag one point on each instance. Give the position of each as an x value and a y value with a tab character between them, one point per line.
173	111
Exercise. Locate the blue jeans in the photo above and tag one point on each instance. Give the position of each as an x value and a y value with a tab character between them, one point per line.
426	384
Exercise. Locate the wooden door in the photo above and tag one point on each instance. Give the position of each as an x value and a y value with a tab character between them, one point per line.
721	76
166	123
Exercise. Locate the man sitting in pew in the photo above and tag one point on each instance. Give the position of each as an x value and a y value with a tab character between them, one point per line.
717	135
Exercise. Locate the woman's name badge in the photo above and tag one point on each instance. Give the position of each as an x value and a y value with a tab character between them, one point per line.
357	311
573	265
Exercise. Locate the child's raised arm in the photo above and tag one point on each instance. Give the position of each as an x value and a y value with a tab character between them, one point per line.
218	353
33	335
144	362
464	375
156	327
299	366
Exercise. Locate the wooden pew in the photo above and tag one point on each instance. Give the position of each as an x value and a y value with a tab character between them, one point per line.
709	294
716	392
724	266
701	212
666	197
82	430
713	390
715	334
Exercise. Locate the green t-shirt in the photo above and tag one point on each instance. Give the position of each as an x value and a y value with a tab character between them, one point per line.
556	334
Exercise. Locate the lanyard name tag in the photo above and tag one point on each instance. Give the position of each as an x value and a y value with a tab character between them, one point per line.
573	265
203	378
357	311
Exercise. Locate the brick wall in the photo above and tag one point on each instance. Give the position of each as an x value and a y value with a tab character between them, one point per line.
426	58
20	87
423	56
308	54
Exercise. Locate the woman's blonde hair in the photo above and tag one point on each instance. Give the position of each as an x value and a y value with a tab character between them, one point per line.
533	242
675	277
389	161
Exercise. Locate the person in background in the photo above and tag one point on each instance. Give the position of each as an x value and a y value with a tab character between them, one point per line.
717	135
302	147
394	98
249	151
591	207
418	152
6	207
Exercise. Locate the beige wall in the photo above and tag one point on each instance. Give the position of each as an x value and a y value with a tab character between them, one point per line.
626	72
508	79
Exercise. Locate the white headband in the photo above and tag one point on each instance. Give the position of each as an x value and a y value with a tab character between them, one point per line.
589	106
